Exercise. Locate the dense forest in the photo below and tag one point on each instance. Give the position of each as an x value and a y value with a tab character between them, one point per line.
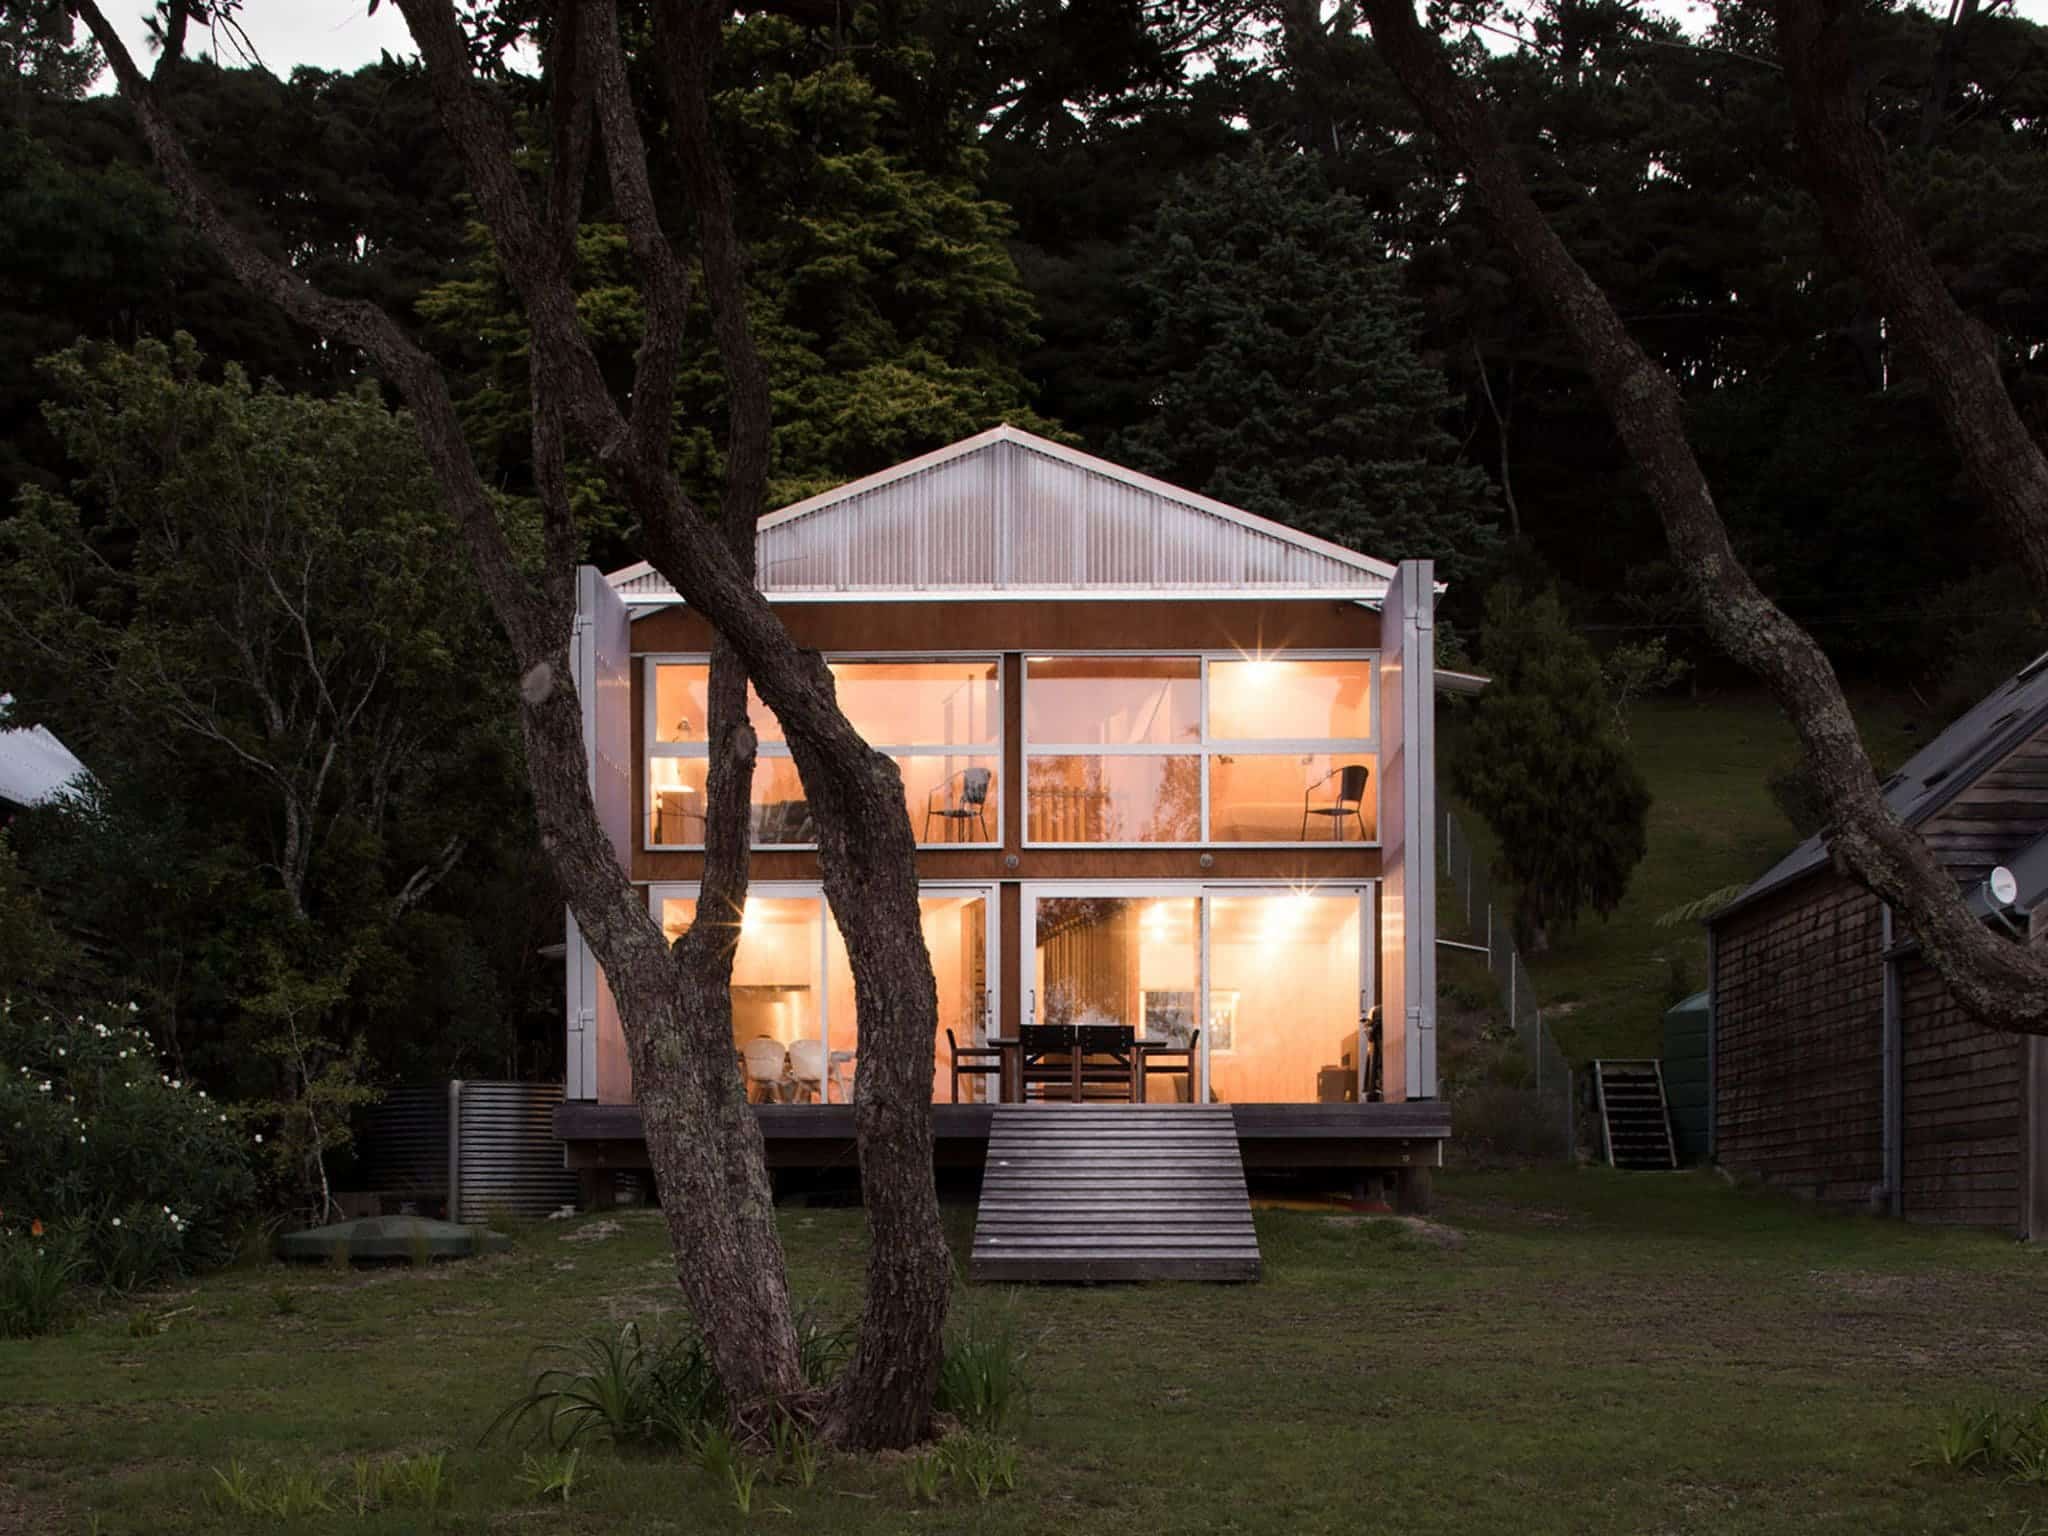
1204	237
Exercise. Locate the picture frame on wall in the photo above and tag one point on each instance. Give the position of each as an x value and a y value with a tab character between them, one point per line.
1169	1015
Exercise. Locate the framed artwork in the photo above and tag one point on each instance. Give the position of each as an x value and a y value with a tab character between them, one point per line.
1170	1016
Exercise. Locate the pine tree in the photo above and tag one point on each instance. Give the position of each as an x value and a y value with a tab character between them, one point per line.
1286	375
1542	763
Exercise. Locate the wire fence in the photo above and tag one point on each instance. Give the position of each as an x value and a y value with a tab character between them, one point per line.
1473	918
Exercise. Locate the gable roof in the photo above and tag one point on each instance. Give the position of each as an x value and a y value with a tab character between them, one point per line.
34	765
1972	744
1009	515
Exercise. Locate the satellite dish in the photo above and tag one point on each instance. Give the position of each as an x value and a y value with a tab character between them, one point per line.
2004	889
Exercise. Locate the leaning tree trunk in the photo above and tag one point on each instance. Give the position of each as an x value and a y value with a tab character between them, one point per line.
2002	984
672	1007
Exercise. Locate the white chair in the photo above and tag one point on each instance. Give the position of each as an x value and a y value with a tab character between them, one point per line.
767	1069
812	1066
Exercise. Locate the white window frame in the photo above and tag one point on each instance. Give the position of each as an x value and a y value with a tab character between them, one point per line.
1206	747
1365	892
814	890
701	751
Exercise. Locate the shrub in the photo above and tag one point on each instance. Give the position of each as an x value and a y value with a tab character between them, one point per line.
1793	791
981	1379
615	1386
133	1173
35	1272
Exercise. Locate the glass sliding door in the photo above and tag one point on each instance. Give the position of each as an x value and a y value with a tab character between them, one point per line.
1285	987
1269	983
778	993
794	1023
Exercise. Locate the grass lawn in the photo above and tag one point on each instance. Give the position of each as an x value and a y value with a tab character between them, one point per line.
1591	1352
1605	984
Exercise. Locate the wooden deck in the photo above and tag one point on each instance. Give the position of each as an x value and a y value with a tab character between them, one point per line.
1105	1192
1355	1136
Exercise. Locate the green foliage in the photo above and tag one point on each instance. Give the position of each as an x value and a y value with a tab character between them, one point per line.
288	1491
322	1083
1796	794
1636	668
1540	761
728	1467
550	1475
888	312
248	611
31	949
614	1387
136	1173
1283	361
923	1475
796	1451
1992	1438
980	1463
37	1269
982	1377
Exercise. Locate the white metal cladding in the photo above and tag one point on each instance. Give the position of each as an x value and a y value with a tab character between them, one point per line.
1008	512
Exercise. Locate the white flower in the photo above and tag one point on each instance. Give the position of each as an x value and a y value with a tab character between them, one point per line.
259	1138
134	1008
62	1052
117	1221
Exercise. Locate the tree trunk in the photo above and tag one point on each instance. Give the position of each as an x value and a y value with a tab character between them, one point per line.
2002	984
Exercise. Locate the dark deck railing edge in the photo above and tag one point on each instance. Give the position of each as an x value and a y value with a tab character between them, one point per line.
580	1120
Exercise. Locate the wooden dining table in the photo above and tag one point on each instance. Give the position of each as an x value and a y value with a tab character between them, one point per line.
1143	1053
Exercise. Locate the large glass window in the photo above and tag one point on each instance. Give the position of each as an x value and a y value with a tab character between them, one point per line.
1283	997
1265	986
1186	749
793	1019
939	721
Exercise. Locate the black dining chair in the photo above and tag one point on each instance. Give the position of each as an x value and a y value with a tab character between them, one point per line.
1106	1053
961	798
972	1061
1172	1061
1348	801
1046	1060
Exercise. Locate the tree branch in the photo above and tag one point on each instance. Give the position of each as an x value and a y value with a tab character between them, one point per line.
2004	985
1846	176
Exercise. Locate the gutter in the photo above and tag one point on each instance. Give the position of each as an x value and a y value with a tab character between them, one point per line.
1893	1055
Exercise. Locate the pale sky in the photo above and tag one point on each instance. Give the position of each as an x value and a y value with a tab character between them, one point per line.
341	34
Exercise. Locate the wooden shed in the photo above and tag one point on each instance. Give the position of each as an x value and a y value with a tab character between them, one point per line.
1840	1066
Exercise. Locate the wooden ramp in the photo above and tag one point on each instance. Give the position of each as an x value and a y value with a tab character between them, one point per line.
1114	1192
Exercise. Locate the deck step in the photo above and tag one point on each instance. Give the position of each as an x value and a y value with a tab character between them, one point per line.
1097	1192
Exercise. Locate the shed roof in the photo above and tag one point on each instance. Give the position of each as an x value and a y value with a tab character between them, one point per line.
1009	515
1972	744
34	764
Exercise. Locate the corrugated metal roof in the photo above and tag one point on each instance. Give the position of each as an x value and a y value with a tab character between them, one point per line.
1936	774
1008	514
34	764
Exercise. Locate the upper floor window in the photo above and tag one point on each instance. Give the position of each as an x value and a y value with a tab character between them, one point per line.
940	721
1191	749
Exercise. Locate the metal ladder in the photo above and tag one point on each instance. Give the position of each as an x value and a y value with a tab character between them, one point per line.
1635	1120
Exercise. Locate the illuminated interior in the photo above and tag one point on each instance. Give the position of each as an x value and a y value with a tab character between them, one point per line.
1284	985
1168	749
939	721
793	1014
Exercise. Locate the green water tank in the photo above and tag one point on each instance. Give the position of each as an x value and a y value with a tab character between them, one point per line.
1685	1076
390	1237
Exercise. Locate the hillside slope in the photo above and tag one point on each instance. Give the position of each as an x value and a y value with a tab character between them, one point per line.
1605	984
